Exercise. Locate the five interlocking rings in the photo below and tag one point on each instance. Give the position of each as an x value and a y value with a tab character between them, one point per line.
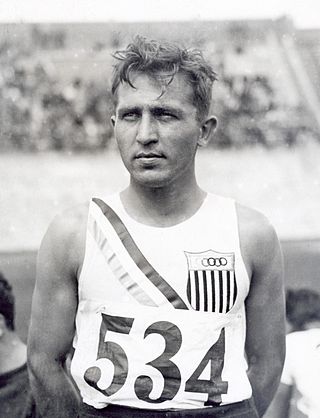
211	262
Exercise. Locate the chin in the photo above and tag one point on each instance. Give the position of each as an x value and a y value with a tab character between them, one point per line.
152	180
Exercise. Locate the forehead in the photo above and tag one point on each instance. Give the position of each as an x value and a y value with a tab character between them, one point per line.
150	91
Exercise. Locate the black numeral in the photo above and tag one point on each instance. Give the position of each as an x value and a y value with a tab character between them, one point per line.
143	385
215	387
169	370
113	352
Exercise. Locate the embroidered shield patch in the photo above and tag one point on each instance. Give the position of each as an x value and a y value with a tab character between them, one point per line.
212	285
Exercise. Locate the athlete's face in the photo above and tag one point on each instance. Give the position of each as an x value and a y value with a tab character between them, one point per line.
158	132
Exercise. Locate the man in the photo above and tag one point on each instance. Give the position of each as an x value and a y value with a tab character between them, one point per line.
172	296
302	365
15	393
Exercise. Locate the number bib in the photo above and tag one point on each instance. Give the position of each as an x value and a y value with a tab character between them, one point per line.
156	359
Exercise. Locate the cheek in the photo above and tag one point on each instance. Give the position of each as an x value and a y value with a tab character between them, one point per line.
122	137
125	132
123	149
122	144
187	142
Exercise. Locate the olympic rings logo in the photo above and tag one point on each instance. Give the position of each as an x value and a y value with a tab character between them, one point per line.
214	262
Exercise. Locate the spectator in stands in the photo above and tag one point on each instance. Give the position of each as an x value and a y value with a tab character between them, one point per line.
38	111
302	365
15	394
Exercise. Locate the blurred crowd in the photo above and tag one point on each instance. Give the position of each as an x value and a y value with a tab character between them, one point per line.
38	111
250	113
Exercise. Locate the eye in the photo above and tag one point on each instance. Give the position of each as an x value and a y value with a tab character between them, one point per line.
165	115
168	116
130	116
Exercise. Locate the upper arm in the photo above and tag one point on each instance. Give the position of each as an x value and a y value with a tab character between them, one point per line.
265	339
55	295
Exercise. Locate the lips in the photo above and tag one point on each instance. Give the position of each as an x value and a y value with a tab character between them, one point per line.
146	155
149	158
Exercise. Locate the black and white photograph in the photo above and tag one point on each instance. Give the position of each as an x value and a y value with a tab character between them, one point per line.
159	209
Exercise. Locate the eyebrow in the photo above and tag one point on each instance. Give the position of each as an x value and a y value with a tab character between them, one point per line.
153	109
166	108
126	109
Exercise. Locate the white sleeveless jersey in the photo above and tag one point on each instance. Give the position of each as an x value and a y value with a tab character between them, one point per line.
161	317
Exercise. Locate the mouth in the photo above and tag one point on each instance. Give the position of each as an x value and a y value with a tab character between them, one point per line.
149	158
147	155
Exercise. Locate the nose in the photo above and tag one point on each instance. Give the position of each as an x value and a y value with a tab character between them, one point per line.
147	131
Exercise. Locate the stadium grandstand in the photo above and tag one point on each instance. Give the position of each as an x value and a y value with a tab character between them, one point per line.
54	81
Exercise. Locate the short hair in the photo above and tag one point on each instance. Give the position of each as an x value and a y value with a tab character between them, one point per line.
6	302
152	57
302	307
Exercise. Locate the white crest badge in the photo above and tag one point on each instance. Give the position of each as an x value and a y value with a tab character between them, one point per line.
212	285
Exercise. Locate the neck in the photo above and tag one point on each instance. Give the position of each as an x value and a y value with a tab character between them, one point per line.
13	353
162	206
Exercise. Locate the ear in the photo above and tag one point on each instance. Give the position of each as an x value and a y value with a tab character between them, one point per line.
207	128
113	120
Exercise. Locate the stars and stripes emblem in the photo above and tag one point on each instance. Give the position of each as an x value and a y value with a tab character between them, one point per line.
212	285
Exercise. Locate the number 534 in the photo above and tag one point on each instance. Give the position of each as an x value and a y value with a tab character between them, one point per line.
143	385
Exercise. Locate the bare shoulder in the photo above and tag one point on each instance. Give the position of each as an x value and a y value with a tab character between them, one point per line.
254	225
258	239
70	221
64	241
